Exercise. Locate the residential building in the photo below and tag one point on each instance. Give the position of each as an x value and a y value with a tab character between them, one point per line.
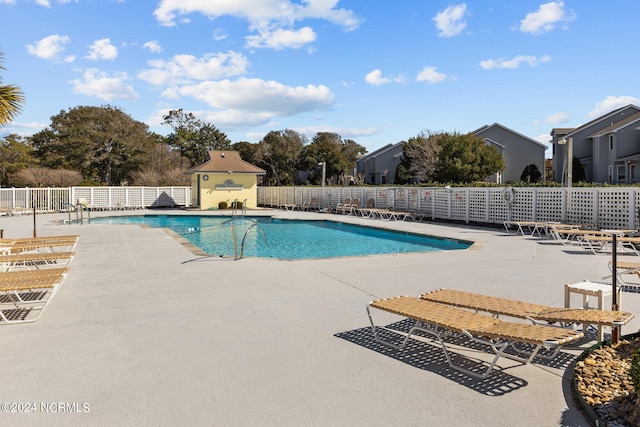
518	151
379	167
608	147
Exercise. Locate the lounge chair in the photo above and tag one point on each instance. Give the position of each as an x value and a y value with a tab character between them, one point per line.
27	291
625	268
35	260
439	319
311	205
341	207
600	242
39	244
352	208
366	210
537	313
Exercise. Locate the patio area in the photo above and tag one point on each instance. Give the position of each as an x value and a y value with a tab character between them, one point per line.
145	332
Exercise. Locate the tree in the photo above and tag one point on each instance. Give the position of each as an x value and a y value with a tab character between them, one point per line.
531	174
465	158
45	177
192	137
340	156
278	153
11	99
246	149
163	167
420	156
15	154
103	143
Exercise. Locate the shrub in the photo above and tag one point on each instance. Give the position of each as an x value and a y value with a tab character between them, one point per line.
634	371
222	205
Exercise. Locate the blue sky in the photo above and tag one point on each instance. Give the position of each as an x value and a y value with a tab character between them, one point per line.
374	71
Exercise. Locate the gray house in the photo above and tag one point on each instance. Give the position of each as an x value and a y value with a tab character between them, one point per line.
608	147
518	151
379	167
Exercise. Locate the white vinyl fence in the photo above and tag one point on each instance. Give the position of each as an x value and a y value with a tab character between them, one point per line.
19	200
606	207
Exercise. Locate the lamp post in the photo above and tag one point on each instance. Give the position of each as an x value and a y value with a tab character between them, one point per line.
324	171
568	159
108	148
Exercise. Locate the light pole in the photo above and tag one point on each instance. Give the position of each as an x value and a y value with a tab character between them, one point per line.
109	148
568	159
324	171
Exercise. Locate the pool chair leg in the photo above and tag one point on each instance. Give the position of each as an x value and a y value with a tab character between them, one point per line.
438	332
6	320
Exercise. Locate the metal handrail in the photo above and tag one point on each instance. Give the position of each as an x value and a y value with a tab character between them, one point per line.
254	224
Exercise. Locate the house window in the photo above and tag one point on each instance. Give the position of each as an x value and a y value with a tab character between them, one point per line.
621	173
632	173
610	142
610	173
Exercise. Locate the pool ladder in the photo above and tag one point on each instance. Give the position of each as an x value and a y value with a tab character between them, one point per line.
254	224
234	208
81	208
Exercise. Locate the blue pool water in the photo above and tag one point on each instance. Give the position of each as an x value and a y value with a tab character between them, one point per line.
288	239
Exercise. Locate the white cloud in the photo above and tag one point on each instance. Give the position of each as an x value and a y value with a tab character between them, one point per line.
8	1
101	85
611	103
344	132
153	46
531	60
555	118
48	47
375	78
258	13
273	20
44	3
280	38
545	18
450	22
250	102
430	75
187	68
545	139
219	34
102	49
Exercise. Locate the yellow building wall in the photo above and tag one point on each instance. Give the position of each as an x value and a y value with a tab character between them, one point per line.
243	186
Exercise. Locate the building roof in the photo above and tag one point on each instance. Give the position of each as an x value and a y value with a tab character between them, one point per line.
609	116
226	161
614	127
562	131
486	127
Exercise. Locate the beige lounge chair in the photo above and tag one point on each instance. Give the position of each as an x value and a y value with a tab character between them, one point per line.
625	268
39	244
341	207
439	319
311	205
26	292
537	313
35	260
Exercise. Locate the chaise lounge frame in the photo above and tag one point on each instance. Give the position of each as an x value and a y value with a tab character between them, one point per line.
440	319
536	313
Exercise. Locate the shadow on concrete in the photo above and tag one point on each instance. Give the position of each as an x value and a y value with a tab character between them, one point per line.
430	357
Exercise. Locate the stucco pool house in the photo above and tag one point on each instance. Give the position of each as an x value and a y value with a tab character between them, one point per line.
224	177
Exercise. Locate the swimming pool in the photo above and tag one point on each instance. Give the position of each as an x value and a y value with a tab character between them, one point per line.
288	239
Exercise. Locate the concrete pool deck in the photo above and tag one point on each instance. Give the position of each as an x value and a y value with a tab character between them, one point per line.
145	332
